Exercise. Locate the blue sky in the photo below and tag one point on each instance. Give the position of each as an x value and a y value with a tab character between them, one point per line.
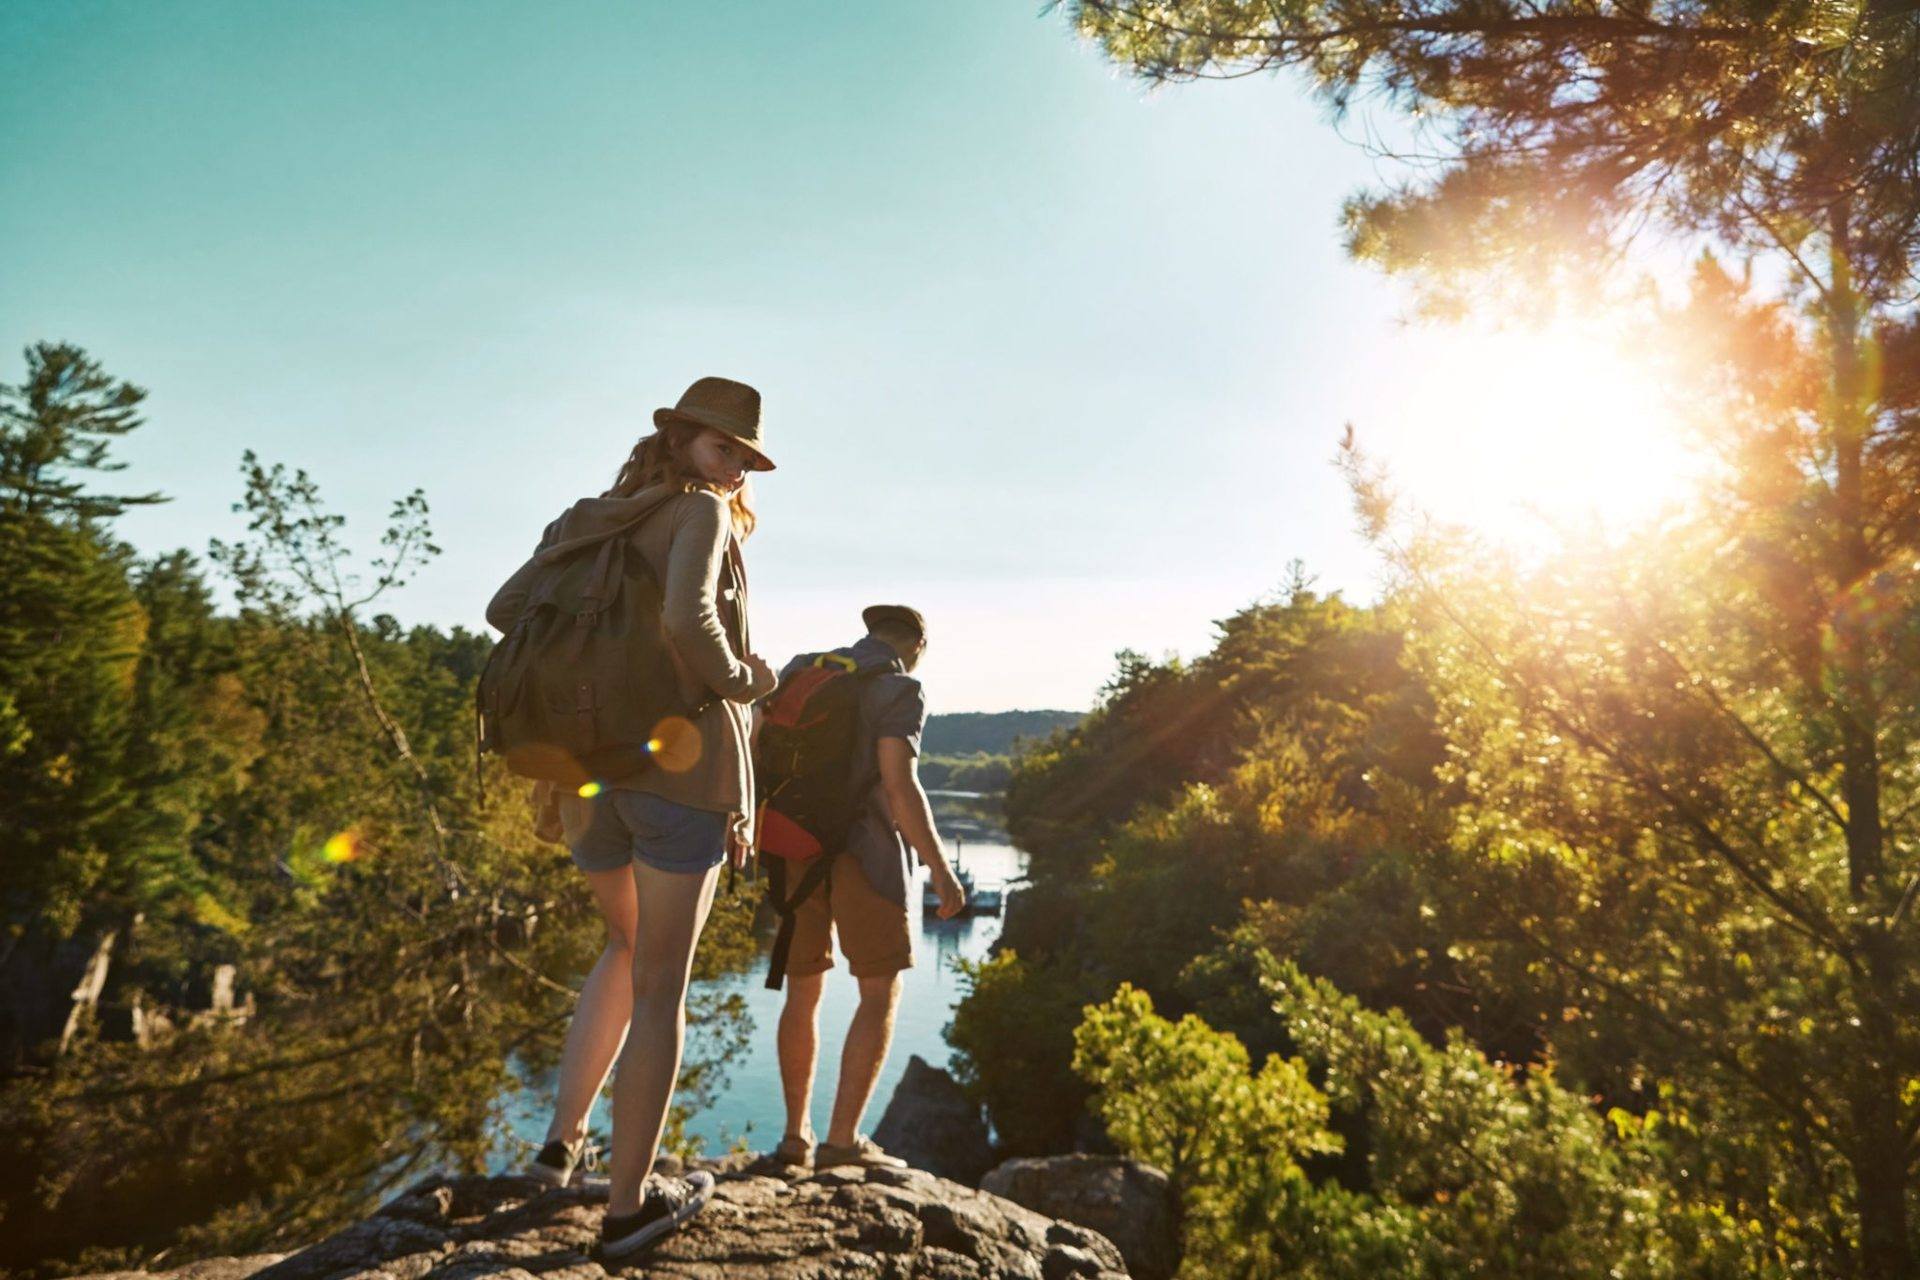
1058	360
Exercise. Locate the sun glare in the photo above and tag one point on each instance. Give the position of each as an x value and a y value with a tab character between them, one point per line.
1518	434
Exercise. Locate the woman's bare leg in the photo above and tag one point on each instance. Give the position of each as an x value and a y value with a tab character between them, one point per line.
673	911
606	1003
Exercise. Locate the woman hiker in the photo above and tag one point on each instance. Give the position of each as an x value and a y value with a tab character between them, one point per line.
651	847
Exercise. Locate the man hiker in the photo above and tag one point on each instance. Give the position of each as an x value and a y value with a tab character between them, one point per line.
859	890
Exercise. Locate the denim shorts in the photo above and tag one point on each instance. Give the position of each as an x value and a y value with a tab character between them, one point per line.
630	826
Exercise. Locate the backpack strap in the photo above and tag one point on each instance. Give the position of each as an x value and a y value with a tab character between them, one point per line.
788	908
599	592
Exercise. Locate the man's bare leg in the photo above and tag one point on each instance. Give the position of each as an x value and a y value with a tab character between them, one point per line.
799	1043
868	1038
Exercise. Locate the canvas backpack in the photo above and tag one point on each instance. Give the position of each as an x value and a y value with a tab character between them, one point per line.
584	686
805	767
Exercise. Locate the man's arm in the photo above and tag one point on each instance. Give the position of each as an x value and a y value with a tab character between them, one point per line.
907	805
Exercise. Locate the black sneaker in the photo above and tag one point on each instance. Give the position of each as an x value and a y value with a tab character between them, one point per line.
669	1202
560	1163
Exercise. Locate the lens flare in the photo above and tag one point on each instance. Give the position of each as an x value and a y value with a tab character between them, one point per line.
588	790
343	846
675	744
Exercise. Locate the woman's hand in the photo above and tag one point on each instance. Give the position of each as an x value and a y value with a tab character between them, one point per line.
764	681
739	841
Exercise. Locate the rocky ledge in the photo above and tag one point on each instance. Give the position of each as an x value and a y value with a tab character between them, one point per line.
763	1222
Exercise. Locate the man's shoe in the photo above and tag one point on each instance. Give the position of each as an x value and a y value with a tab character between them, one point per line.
862	1151
559	1164
669	1202
794	1151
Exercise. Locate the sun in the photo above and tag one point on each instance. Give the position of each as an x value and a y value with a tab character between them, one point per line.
1519	435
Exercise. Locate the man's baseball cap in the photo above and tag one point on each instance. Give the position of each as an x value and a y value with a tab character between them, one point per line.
898	615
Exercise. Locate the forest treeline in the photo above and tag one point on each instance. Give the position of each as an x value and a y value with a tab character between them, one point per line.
987	775
270	948
974	750
990	733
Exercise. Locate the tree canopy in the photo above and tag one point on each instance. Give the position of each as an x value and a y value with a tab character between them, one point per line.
1551	130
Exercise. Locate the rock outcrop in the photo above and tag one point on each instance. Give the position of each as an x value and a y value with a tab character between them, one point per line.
762	1223
1128	1202
206	1269
931	1124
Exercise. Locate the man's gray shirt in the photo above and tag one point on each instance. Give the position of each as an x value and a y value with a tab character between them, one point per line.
892	705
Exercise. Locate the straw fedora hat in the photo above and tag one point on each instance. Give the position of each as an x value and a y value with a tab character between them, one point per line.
730	407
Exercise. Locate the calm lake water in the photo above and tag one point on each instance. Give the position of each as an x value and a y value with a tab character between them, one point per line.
750	1108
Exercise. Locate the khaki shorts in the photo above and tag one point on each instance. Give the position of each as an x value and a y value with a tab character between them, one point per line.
874	933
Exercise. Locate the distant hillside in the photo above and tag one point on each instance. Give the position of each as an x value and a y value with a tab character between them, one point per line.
990	732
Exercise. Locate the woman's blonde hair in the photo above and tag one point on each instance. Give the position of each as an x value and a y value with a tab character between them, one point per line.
661	458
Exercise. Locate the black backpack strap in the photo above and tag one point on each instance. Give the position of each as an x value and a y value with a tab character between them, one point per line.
788	907
783	935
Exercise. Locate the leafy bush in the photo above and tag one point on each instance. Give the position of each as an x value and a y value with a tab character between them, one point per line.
1473	1167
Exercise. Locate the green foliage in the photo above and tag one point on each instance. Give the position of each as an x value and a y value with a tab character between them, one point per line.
1014	1033
288	790
1138	744
1301	735
1310	668
1472	1167
71	634
1182	1097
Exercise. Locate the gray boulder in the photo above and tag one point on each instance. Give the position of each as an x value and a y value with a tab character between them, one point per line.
931	1124
1128	1202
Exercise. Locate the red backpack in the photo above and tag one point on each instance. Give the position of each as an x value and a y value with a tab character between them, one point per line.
805	767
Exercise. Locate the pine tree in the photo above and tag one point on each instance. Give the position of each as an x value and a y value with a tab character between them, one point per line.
56	430
71	640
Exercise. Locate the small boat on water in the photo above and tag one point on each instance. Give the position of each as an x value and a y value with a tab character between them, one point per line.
931	900
980	902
